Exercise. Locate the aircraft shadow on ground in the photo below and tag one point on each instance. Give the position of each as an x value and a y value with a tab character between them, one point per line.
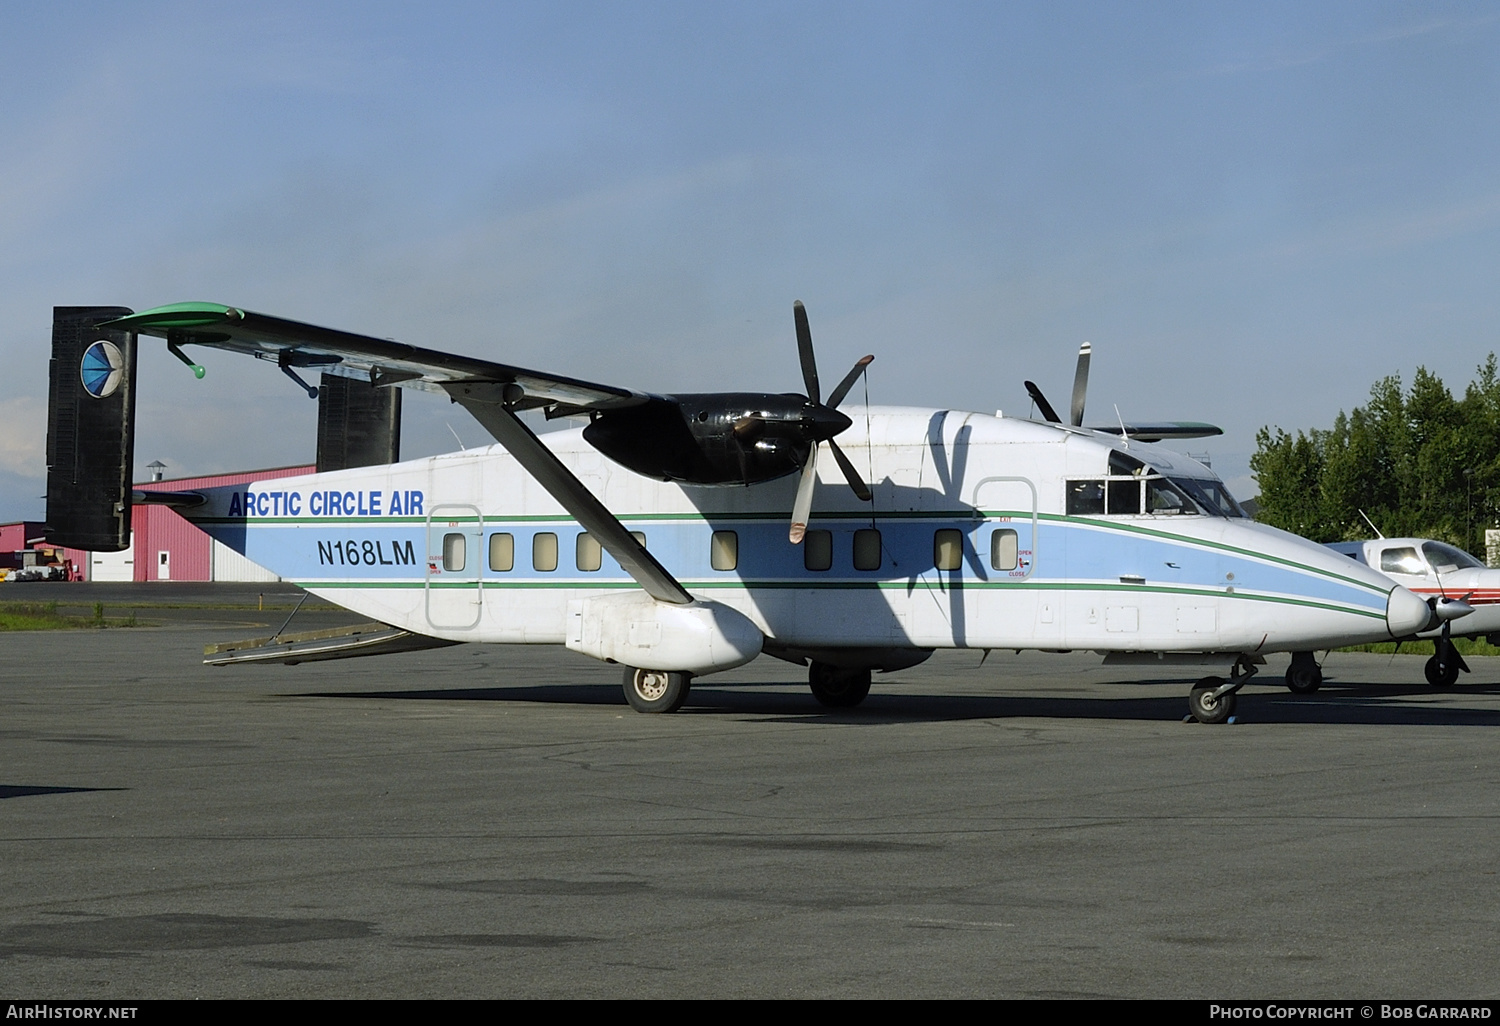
26	791
790	701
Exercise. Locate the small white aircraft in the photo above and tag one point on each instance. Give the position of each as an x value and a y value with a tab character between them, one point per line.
1462	592
679	535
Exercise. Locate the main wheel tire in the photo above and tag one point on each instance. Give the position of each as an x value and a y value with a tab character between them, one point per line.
838	688
656	691
1304	678
1441	674
1205	707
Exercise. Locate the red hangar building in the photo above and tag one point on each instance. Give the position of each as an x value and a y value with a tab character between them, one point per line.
163	546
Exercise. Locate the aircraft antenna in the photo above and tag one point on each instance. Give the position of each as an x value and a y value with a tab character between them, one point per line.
1123	433
1371	523
460	441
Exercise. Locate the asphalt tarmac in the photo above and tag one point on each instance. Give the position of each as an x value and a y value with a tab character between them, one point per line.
485	821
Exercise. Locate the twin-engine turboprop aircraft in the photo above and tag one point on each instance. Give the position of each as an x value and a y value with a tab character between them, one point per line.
679	535
1463	594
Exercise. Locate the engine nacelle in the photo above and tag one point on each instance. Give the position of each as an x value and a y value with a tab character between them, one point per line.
634	629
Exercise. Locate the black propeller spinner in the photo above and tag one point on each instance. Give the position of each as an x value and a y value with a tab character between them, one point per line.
739	438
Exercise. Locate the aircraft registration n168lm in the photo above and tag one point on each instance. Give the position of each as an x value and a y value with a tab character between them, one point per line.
675	535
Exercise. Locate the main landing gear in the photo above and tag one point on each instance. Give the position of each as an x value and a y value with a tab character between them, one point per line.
1213	698
656	691
1304	676
836	687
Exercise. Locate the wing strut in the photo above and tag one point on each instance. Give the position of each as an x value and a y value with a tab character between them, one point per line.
490	403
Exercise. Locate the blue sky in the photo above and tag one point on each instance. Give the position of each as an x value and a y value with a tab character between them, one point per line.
1252	211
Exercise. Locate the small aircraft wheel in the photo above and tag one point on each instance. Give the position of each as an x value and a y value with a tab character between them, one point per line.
1441	674
1304	678
838	688
1205	707
656	691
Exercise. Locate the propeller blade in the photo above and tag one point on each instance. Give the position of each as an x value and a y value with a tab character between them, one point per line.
1048	413
802	508
1081	383
805	351
850	474
848	382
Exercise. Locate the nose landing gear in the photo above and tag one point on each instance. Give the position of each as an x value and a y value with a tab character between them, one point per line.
1212	699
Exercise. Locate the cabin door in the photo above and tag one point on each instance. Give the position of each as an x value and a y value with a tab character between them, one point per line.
1004	570
454	552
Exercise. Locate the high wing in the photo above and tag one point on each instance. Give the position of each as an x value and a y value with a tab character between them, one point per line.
291	344
1175	429
493	392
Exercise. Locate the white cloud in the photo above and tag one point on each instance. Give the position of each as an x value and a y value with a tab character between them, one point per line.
23	436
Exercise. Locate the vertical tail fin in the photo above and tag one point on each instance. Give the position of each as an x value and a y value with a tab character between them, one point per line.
90	430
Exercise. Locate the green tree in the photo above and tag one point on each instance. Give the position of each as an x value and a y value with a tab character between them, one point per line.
1416	461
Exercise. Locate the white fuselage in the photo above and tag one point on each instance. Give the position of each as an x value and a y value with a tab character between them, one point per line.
974	546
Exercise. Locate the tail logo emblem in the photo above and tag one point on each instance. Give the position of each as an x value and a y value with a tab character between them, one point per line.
101	369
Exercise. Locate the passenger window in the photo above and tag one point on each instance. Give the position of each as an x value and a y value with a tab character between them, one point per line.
502	551
640	537
867	549
454	552
1402	561
588	554
1004	553
724	550
1085	497
1124	497
544	551
947	549
817	550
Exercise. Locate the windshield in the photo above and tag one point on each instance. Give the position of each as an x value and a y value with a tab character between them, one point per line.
1211	496
1444	558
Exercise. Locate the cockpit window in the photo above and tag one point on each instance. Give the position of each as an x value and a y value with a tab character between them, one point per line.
1162	496
1211	496
1085	498
1124	463
1131	488
1445	558
1403	560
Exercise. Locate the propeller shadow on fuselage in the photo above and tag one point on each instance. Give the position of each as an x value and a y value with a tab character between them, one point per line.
773	556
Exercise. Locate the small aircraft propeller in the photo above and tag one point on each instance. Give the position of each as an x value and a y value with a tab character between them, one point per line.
820	423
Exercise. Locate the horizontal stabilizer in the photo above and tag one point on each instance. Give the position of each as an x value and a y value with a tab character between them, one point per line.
365	639
176	500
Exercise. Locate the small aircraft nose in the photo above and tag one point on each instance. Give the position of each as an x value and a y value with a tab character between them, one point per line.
1405	613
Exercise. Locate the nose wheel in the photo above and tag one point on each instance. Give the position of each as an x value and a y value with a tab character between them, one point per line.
1212	699
1442	669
